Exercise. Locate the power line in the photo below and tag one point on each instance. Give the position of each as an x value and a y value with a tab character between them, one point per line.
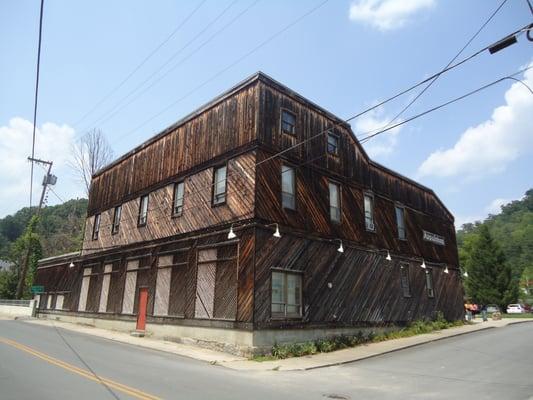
155	50
447	65
240	59
36	98
200	189
118	106
370	136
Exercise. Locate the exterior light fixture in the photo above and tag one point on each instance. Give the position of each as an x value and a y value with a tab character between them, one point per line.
465	274
231	234
388	258
502	44
71	265
276	233
423	265
446	271
340	249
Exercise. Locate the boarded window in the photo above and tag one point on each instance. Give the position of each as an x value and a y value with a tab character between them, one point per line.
333	144
143	211
429	283
84	291
129	288
205	283
404	280
288	122
162	286
179	194
219	185
59	301
116	219
288	187
369	212
104	294
400	222
96	226
334	202
286	294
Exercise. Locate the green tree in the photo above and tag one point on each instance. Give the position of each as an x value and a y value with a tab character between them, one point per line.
25	253
490	278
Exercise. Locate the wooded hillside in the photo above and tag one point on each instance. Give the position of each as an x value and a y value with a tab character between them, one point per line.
512	230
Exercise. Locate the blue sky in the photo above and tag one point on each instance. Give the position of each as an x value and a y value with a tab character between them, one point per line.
345	56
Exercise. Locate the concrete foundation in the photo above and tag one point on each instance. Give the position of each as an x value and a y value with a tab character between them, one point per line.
234	341
15	308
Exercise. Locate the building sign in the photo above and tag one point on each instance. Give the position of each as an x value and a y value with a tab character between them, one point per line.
433	238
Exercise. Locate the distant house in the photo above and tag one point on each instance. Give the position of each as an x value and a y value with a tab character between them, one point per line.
5	265
258	218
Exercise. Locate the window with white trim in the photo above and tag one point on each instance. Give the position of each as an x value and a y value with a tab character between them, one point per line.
369	212
179	195
96	226
219	185
288	122
116	219
334	202
143	211
288	187
400	221
286	295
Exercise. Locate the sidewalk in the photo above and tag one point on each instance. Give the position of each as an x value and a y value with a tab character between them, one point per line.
290	364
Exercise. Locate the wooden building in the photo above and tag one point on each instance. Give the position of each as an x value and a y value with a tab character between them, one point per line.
256	219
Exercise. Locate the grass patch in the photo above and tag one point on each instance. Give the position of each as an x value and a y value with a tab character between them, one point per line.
282	351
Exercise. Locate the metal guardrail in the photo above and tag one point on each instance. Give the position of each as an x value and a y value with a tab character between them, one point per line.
17	303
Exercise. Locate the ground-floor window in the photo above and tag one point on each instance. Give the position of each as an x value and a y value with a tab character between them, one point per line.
404	279
286	294
60	298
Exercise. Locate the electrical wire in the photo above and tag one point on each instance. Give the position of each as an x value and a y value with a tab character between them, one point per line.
121	105
229	66
154	51
36	99
399	114
371	135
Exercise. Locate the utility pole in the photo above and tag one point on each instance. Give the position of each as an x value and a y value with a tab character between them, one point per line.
48	179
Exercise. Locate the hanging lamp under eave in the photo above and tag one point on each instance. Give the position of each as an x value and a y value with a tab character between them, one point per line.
231	234
388	258
276	233
340	249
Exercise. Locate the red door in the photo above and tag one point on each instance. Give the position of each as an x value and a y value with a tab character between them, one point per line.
143	301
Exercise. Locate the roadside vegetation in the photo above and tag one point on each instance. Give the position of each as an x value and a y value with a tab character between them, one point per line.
282	351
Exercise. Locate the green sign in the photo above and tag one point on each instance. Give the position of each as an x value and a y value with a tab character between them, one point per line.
37	289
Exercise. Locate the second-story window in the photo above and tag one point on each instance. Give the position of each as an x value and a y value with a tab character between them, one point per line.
400	221
219	185
179	194
333	144
288	187
429	283
96	226
116	219
369	212
288	122
143	211
334	202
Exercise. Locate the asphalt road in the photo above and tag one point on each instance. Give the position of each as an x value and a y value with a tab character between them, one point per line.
39	362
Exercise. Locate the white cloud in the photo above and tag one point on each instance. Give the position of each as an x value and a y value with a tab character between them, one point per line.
490	146
383	144
53	143
495	206
387	14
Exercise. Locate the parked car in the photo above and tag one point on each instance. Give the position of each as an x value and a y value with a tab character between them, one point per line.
515	309
527	308
492	308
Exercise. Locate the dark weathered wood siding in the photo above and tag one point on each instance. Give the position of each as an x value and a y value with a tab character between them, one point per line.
365	287
198	212
227	125
233	281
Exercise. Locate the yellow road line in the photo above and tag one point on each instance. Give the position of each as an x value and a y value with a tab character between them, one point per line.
82	372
